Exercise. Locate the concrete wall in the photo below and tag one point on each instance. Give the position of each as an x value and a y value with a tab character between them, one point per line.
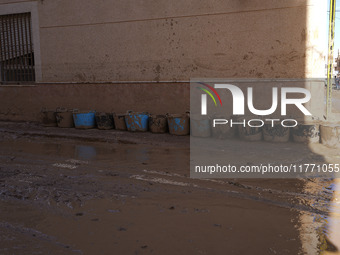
24	103
163	41
128	40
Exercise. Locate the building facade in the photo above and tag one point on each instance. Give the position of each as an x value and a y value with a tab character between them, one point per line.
140	55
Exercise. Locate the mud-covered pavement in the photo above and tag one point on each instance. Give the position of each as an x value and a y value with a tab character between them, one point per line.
66	196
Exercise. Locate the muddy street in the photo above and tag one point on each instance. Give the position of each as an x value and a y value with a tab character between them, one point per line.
169	127
64	196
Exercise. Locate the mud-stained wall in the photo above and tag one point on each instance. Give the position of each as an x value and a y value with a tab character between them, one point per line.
128	40
24	103
90	42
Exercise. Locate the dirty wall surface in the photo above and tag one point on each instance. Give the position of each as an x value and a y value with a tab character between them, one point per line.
83	42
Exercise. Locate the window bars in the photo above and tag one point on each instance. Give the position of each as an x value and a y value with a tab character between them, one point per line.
16	49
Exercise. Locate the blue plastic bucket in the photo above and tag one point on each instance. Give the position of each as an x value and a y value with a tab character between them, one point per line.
137	121
200	126
178	124
84	119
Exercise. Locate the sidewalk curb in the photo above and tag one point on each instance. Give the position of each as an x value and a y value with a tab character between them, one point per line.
28	129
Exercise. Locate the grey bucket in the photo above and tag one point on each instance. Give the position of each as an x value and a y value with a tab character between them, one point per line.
119	120
200	126
64	117
48	118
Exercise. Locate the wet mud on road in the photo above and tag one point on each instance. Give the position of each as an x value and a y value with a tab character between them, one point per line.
62	196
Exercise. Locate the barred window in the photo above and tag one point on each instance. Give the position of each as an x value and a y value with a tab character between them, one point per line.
16	49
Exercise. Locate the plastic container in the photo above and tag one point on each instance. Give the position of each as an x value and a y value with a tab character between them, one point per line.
64	118
104	120
330	135
178	124
306	133
158	123
247	132
276	133
119	121
84	119
48	118
200	126
137	121
223	131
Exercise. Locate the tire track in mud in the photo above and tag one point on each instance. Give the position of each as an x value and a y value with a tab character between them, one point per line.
185	181
234	188
46	167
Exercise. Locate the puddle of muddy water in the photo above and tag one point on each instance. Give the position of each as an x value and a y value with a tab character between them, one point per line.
114	154
166	171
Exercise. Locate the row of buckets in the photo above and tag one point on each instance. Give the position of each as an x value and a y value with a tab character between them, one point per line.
176	124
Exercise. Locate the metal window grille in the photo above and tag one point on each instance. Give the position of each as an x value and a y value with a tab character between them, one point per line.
16	49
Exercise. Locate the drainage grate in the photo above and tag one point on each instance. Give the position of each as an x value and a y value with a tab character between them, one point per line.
16	49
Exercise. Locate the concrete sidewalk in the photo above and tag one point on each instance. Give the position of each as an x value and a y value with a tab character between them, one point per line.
31	129
237	150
